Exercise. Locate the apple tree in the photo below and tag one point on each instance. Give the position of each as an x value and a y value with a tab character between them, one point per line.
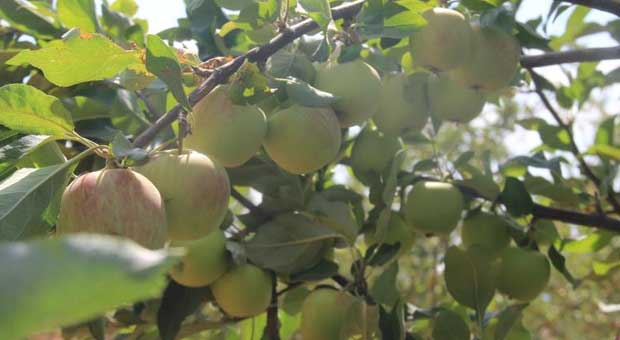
313	169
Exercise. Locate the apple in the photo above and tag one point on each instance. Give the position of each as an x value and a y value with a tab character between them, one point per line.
196	191
115	202
228	133
434	207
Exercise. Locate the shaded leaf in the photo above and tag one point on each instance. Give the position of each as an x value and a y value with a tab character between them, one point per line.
78	13
288	244
516	198
177	303
162	61
559	262
73	275
28	192
384	289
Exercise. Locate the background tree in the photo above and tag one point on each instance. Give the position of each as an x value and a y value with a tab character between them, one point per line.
347	133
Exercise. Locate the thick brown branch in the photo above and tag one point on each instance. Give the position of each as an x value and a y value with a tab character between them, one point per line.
222	73
576	56
598	221
609	6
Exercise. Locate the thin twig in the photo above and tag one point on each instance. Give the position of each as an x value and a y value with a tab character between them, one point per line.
587	170
609	6
260	54
272	328
575	56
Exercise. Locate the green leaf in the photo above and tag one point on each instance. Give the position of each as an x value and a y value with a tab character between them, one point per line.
29	192
284	64
51	283
337	216
290	243
471	277
78	13
69	62
323	270
589	244
28	17
393	19
607	152
127	7
507	319
516	198
449	325
384	289
177	303
31	111
306	95
121	147
606	131
559	262
162	61
318	10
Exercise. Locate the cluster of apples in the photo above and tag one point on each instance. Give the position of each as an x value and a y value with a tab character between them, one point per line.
177	198
519	273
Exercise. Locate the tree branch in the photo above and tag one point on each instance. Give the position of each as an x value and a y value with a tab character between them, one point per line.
272	328
598	221
609	6
221	74
585	168
576	56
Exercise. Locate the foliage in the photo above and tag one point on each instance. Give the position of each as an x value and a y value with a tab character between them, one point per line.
315	200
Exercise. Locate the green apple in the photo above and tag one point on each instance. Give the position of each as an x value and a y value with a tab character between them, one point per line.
524	273
451	101
372	152
403	104
196	191
244	291
228	133
486	230
494	61
205	261
303	139
324	315
434	207
444	43
356	84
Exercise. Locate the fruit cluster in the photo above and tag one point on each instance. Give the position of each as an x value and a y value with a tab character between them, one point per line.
182	198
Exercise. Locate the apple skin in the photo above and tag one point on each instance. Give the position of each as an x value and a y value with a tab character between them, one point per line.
486	230
356	84
403	104
434	207
196	191
451	101
243	291
524	273
114	202
205	261
324	314
372	152
494	61
303	139
229	134
444	43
